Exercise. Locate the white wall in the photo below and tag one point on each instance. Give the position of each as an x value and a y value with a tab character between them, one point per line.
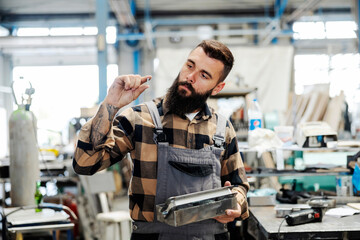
267	68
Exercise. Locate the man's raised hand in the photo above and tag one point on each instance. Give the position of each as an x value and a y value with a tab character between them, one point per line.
125	89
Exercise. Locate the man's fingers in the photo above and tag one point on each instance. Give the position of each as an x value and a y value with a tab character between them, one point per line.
230	215
233	213
127	83
227	183
139	90
139	81
144	79
131	82
224	219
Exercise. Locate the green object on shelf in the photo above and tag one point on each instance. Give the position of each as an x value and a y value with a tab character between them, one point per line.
290	161
38	196
307	183
298	154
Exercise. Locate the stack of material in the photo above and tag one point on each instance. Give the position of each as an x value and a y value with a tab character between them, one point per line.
315	106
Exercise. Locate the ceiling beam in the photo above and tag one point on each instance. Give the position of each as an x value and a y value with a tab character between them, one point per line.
123	12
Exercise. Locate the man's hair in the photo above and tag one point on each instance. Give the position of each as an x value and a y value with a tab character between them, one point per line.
219	51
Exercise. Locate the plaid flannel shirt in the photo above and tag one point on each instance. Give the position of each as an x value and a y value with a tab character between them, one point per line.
132	131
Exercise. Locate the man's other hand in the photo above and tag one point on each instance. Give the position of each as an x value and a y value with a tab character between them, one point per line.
230	214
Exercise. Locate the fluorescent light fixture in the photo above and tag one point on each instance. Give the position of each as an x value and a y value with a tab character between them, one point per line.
66	31
90	30
111	35
204	32
35	32
340	29
4	32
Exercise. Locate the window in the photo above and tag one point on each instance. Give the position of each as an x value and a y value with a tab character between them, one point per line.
60	92
324	30
340	71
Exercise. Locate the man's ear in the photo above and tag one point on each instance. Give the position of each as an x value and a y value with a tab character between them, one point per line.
218	88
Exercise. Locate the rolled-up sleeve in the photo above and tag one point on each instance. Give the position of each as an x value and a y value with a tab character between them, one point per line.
89	159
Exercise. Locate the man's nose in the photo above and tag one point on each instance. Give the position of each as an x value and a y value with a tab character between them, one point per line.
191	77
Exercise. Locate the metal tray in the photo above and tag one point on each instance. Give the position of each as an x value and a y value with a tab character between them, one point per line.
195	207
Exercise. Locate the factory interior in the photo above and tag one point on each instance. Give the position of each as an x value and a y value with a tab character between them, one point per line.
291	101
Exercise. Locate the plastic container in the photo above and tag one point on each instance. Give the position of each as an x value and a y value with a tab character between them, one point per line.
254	115
285	133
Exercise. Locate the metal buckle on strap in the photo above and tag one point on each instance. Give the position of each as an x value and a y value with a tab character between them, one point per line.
218	141
159	135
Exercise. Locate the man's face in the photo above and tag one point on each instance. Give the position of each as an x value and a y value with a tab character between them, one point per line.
197	80
200	72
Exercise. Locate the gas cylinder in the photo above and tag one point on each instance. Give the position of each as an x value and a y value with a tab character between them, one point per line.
24	156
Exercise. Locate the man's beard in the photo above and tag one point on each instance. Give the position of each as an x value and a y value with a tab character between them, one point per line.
180	104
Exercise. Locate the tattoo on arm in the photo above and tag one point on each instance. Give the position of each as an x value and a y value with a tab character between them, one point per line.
112	110
102	124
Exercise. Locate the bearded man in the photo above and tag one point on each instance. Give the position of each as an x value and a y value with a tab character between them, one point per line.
178	144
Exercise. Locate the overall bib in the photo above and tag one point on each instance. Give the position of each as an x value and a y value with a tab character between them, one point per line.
182	171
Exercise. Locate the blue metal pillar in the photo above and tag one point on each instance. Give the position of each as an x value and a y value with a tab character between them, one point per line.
136	51
101	23
136	58
280	6
358	22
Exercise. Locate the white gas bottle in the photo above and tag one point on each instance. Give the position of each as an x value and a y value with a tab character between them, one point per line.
254	115
24	157
24	152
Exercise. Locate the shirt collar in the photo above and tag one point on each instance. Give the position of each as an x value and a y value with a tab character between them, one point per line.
204	113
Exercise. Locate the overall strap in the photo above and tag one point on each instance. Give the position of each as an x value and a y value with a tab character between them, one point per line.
219	137
159	133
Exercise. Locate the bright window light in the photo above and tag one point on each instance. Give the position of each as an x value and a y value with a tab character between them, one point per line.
311	77
26	32
90	30
345	61
314	62
341	72
309	30
111	35
60	92
66	31
343	29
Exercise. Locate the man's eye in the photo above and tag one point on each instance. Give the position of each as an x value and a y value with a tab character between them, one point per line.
189	66
204	76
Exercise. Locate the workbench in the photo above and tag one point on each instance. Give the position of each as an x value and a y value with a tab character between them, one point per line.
30	221
267	225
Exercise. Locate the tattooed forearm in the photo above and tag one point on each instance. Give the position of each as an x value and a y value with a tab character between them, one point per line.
112	110
102	122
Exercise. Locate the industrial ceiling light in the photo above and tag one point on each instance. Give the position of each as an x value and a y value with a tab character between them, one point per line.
205	32
175	37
